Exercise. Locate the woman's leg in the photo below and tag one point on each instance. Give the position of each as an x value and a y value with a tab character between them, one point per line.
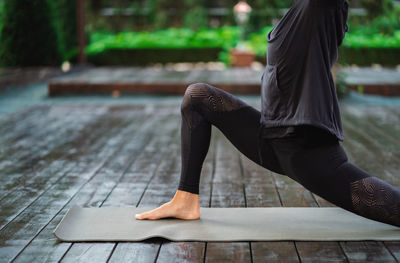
324	169
204	105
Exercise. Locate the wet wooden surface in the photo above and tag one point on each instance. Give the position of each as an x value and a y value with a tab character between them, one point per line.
239	80
52	157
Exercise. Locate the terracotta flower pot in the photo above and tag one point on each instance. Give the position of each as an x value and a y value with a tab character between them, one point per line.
241	58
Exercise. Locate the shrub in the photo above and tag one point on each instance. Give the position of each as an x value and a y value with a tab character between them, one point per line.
223	37
66	18
28	35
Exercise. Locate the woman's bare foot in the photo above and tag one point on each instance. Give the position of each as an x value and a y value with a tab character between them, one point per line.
184	205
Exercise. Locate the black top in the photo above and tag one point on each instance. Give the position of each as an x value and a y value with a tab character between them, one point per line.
297	85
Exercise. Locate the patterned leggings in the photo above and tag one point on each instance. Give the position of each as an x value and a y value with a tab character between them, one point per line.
311	158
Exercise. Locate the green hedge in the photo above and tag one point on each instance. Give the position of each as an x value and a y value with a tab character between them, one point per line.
366	56
162	46
168	38
357	48
28	34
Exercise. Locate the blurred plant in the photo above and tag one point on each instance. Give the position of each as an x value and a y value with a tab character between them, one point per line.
28	34
358	39
195	15
158	15
258	42
265	11
376	7
224	37
66	21
161	14
387	23
341	87
382	31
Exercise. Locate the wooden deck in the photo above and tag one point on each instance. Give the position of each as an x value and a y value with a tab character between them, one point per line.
52	157
139	80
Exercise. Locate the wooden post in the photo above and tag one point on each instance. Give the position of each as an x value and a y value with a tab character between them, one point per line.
81	31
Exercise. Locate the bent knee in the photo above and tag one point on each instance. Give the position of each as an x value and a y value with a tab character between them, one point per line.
193	91
198	89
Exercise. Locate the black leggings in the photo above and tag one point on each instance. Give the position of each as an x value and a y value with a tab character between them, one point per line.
312	158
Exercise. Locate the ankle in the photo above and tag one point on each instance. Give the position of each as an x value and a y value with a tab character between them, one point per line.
183	197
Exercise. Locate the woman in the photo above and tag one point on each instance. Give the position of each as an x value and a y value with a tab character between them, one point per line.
298	130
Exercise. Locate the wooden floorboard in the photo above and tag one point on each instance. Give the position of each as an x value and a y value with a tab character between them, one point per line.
36	183
95	181
55	156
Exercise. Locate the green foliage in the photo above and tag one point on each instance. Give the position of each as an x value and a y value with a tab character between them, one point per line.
162	14
358	39
28	36
264	11
195	17
387	24
159	15
376	7
381	32
66	18
341	87
225	37
258	41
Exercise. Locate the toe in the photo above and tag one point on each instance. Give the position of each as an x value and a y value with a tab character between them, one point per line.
142	215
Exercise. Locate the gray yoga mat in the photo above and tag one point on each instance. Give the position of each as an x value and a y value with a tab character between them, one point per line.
223	224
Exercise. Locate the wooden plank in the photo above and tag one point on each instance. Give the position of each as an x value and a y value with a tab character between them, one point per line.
11	129
29	148
380	155
394	248
320	252
276	251
367	251
89	252
8	183
227	191
374	157
145	251
88	185
32	188
16	142
228	252
383	130
52	149
181	252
